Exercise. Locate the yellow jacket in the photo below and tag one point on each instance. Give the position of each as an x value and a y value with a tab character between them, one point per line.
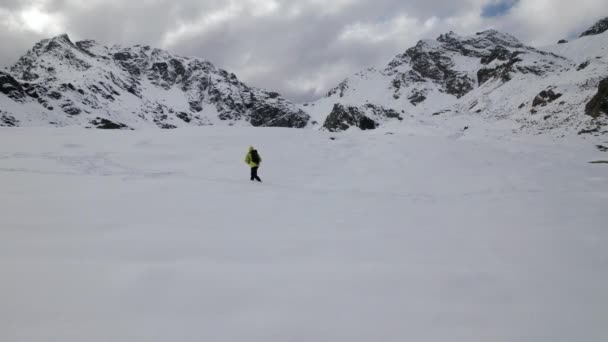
249	159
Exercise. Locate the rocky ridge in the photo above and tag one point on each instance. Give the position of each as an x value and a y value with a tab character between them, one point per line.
599	28
490	76
61	83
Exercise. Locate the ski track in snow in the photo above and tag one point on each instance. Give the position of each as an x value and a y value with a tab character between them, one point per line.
413	236
100	164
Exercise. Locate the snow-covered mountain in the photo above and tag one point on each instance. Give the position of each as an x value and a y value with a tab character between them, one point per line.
488	77
492	76
63	83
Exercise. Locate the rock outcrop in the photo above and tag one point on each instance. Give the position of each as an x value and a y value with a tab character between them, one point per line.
599	103
343	117
599	28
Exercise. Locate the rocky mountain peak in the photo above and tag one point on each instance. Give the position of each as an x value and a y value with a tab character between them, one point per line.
600	27
86	83
64	38
483	44
490	74
47	55
59	42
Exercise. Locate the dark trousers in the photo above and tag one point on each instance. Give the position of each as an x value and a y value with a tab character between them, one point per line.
254	174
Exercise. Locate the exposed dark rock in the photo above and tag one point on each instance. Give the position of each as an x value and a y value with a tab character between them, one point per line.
398	61
70	109
11	88
562	41
483	75
441	112
599	28
178	67
132	63
478	45
122	56
545	97
599	103
499	53
602	148
416	97
341	88
184	116
54	95
342	118
589	131
161	70
164	125
32	91
402	79
366	123
196	107
583	65
102	123
380	111
439	68
67	86
268	115
503	71
86	45
8	120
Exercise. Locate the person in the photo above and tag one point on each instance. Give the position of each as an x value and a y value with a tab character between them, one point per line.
254	160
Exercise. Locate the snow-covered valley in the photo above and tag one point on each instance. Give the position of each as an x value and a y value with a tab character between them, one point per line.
417	234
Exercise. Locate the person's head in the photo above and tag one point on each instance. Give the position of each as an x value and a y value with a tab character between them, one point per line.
251	148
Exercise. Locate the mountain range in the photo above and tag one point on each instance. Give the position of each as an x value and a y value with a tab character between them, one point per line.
491	76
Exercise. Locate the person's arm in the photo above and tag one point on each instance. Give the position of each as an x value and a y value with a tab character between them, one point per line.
248	158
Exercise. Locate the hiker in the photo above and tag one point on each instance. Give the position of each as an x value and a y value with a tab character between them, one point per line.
254	160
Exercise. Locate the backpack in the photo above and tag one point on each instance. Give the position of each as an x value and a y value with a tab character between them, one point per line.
255	157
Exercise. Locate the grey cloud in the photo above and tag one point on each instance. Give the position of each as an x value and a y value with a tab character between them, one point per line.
295	49
14	4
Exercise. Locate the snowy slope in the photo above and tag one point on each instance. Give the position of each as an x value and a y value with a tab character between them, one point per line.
490	75
489	79
416	236
64	83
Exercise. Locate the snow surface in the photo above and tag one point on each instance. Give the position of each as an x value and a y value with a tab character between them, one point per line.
413	236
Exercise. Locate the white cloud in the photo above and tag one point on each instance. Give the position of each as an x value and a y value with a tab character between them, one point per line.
37	21
543	22
31	17
383	31
200	25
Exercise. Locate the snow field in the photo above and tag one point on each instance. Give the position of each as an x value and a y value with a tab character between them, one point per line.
413	236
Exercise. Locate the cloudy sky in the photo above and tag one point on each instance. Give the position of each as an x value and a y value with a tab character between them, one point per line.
300	48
